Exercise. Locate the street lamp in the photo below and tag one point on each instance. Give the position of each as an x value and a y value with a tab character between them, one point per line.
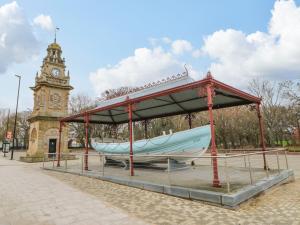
15	124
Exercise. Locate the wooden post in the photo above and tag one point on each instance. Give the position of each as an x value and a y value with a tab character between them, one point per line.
216	181
261	131
130	139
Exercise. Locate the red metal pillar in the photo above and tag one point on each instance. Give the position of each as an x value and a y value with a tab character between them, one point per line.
59	144
86	152
130	139
261	131
216	181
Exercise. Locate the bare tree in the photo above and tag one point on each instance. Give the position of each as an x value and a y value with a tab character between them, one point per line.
273	107
79	103
292	92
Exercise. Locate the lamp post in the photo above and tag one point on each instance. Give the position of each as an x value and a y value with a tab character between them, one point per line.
15	124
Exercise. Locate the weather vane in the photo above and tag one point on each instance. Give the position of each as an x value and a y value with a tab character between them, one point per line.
56	29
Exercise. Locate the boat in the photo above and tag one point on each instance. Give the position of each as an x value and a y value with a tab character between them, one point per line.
193	142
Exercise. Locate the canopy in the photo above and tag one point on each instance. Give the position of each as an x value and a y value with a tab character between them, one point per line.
174	96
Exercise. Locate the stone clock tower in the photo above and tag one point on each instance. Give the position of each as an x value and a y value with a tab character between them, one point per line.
51	95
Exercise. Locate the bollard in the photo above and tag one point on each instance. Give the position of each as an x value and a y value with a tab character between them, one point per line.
227	177
267	169
129	166
53	162
100	162
66	163
82	155
44	161
245	163
250	170
286	160
103	166
278	165
168	170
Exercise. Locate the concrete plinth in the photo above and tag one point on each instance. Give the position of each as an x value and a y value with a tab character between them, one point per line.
228	200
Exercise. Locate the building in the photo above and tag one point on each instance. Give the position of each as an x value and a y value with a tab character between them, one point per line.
51	97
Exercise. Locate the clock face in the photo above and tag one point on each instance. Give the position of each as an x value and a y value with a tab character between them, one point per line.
55	72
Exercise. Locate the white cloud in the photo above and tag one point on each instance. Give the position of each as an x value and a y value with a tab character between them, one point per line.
17	41
144	66
181	46
238	57
45	22
235	56
197	53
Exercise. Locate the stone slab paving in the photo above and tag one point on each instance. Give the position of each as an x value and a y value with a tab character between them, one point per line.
281	205
29	196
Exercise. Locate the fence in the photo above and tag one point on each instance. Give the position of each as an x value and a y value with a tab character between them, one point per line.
235	170
19	144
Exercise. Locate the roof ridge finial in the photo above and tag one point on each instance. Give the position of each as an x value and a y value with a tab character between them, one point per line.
56	28
186	73
208	75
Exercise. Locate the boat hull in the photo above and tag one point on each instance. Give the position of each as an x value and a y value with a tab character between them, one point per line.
179	146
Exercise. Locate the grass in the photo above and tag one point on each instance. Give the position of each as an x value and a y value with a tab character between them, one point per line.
294	148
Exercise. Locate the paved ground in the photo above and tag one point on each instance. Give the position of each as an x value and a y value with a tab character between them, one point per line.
29	196
63	197
279	206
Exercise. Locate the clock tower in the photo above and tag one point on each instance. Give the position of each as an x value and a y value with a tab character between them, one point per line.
51	96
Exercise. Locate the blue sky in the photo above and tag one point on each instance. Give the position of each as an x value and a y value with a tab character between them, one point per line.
105	41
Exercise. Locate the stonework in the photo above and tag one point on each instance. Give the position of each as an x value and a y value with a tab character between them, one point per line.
51	96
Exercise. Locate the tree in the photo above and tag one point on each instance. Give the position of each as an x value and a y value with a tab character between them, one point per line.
22	129
77	104
274	108
292	92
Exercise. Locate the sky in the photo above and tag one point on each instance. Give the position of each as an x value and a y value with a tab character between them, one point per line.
108	44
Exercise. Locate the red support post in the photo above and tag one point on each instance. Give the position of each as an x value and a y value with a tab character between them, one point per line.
86	152
213	152
130	139
59	144
261	131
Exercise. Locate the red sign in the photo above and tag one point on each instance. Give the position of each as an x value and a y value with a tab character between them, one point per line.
9	135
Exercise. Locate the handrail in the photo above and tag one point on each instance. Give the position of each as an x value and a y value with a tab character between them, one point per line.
176	156
244	149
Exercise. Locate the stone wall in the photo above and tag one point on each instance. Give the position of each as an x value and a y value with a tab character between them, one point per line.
40	134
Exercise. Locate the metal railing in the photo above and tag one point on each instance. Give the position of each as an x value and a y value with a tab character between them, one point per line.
235	170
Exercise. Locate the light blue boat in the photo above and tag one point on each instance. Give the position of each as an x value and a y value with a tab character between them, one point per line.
193	142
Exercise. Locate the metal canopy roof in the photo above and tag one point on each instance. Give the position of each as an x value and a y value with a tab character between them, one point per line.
175	96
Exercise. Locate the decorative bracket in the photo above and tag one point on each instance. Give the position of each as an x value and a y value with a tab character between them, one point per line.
202	91
133	107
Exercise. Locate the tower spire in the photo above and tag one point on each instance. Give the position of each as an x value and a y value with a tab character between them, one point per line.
56	29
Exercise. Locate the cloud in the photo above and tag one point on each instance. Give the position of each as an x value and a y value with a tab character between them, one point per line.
197	53
275	54
234	56
17	41
43	21
181	46
144	66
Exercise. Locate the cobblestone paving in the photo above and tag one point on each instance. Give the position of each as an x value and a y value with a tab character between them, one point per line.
280	205
28	196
